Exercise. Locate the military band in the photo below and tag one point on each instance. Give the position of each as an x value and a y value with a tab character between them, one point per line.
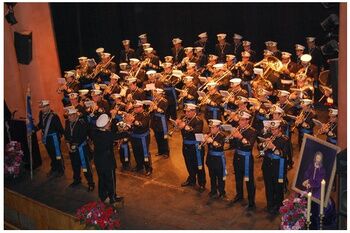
263	102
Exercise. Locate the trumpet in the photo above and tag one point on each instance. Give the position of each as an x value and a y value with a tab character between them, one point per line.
62	88
100	67
300	119
181	91
265	144
205	100
324	128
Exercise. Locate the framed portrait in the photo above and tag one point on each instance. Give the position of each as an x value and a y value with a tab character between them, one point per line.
317	162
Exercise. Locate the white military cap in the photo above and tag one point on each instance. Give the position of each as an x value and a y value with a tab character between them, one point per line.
166	64
149	50
69	73
245	54
258	71
44	103
125	42
100	50
218	66
191	64
188	49
82	58
71	110
287	81
114	76
221	36
176	41
187	78
138	103
244	114
267	52
310	39
276	109
96	92
151	72
116	96
177	73
306	101
236	81
263	91
214	122
271	43
143	36
203	35
134	60
253	101
246	43
283	93
237	36
306	58
168	58
131	80
272	123
83	91
159	90
212	57
286	55
299	47
190	107
230	56
73	95
211	84
102	120
333	112
146	45
106	54
241	99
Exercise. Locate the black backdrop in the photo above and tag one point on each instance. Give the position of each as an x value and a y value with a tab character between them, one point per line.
80	28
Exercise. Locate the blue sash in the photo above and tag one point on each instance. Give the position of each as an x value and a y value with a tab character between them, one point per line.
303	131
246	155
173	92
187	101
288	131
66	98
124	147
56	144
249	87
82	156
260	117
332	140
87	85
198	152
223	160
214	110
144	144
281	166
164	126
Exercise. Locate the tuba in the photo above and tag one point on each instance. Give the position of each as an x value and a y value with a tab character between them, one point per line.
273	64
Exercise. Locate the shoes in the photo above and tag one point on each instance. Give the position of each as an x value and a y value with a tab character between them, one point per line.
136	169
212	195
165	156
201	189
159	154
148	173
250	207
187	183
50	173
91	187
235	200
125	168
74	184
223	197
116	199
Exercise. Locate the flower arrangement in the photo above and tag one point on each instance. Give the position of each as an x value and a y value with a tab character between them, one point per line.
13	159
293	213
98	216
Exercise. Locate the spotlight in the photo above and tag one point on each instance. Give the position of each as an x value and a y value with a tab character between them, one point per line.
330	23
10	16
330	48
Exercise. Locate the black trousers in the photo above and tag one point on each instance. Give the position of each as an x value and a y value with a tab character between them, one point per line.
171	112
106	183
273	189
76	166
162	144
238	164
57	165
189	153
137	148
123	153
215	167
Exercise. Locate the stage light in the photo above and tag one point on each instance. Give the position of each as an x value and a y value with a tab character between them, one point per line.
10	16
330	23
330	48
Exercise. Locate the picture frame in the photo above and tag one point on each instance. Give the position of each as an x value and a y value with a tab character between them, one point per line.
311	172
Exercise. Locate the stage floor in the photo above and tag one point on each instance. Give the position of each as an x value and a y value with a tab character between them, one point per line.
159	202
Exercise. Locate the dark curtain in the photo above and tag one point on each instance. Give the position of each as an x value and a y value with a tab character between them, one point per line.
80	28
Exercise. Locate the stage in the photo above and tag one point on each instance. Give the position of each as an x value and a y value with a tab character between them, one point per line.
158	202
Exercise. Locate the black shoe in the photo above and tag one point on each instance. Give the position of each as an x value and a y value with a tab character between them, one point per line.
159	154
74	184
119	198
91	187
148	173
250	207
223	197
136	169
165	156
187	183
212	195
50	173
201	189
235	200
